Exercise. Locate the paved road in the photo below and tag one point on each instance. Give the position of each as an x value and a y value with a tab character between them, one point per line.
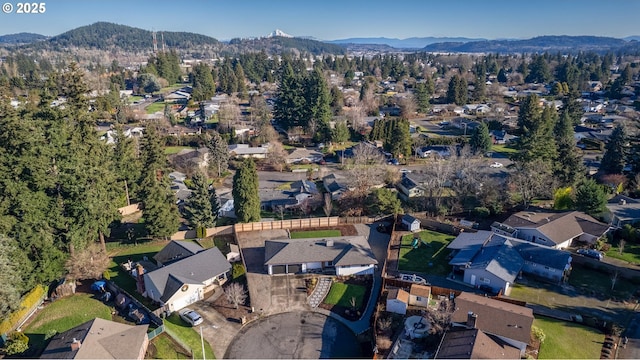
632	349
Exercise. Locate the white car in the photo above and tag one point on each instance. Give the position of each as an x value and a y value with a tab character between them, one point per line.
405	171
496	165
190	316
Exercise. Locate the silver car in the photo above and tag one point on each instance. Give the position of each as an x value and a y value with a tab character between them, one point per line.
190	316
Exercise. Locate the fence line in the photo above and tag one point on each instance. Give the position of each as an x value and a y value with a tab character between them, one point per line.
177	339
287	224
153	334
191	234
130	209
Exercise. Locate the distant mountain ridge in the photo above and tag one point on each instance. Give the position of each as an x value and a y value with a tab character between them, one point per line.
21	38
408	43
549	43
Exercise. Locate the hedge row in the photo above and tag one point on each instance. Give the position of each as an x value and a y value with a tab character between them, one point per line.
28	303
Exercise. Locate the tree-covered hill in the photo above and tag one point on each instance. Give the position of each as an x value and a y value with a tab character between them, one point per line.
21	38
104	36
279	44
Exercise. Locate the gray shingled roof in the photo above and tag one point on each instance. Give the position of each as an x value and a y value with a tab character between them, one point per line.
474	344
494	316
194	269
542	255
347	250
176	250
502	261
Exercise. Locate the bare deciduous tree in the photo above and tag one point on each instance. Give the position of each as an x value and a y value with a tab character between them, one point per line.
531	180
355	115
88	264
328	204
365	166
614	278
235	294
277	156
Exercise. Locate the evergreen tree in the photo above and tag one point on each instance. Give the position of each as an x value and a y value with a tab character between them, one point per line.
502	76
480	141
126	165
246	199
289	107
569	167
399	139
13	268
614	158
218	153
538	71
480	89
384	201
337	100
203	85
340	133
198	210
536	131
422	97
318	101
457	91
591	197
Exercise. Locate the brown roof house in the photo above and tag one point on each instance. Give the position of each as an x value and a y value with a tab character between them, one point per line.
99	339
474	344
553	229
508	322
397	301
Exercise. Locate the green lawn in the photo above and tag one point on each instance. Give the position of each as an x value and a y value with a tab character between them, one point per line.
166	348
503	149
600	282
189	336
427	258
170	150
630	254
155	107
133	99
62	315
341	294
565	340
315	234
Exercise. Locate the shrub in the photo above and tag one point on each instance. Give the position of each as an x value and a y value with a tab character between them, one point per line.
28	302
17	343
481	211
238	270
538	333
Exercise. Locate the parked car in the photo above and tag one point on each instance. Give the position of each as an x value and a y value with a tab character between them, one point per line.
191	317
594	254
496	165
405	171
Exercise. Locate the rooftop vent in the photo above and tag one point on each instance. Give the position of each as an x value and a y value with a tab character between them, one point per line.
329	243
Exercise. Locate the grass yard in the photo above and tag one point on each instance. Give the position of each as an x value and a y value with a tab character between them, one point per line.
315	234
631	253
155	107
340	294
503	149
427	258
600	282
135	98
188	336
165	348
565	340
170	150
62	315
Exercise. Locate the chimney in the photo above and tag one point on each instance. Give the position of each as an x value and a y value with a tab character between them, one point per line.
471	320
622	202
329	243
75	344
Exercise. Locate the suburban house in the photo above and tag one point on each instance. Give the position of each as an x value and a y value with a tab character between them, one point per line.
302	155
474	344
176	250
334	185
244	151
188	279
436	150
191	158
419	295
508	322
495	261
346	255
410	222
99	339
179	187
409	188
553	229
397	301
623	210
501	137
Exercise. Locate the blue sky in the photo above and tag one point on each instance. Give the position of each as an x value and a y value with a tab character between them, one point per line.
337	19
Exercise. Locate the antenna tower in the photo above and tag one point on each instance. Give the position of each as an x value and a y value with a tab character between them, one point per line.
155	43
162	36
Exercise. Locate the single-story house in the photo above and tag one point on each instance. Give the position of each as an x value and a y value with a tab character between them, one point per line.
245	151
99	339
410	222
436	150
553	229
473	343
302	155
397	301
334	185
501	137
494	260
623	210
509	322
191	158
419	295
409	188
176	250
345	255
186	281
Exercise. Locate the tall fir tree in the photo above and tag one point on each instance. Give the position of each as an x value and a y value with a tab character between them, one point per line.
615	155
290	104
198	210
536	125
569	168
318	100
218	153
480	141
246	199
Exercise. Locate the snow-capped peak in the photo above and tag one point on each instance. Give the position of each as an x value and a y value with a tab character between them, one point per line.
278	32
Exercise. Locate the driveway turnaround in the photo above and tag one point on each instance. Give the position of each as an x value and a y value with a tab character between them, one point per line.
294	335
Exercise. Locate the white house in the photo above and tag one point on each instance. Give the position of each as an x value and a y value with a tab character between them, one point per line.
186	281
397	301
245	151
410	222
419	295
345	255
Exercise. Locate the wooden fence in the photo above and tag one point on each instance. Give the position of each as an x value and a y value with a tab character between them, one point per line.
288	224
128	210
191	234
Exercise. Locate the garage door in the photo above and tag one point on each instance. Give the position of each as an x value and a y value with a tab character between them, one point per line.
293	269
279	269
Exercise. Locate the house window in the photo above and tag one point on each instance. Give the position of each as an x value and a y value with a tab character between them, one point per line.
418	298
485	280
329	263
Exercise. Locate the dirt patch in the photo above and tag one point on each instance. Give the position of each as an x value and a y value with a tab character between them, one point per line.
347	312
226	309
